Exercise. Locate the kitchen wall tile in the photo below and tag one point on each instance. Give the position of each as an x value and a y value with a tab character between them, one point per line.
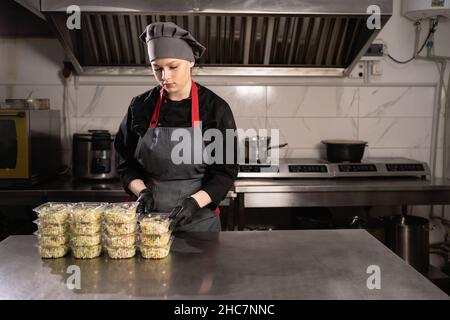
104	123
308	101
244	101
396	101
316	153
396	132
109	101
308	132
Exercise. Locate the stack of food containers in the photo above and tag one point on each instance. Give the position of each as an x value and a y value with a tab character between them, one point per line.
155	236
85	229
53	229
120	229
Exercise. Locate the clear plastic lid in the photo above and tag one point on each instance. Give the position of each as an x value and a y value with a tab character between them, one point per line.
86	252
80	228
52	241
118	229
54	212
86	240
155	223
53	252
51	229
156	252
86	212
121	252
121	212
155	240
121	240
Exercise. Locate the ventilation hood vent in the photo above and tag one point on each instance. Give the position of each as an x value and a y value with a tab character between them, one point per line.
264	37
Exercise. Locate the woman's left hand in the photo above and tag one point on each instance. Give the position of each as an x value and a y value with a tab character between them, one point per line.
182	214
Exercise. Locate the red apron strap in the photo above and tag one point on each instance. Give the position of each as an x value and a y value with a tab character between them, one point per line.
155	115
217	211
195	113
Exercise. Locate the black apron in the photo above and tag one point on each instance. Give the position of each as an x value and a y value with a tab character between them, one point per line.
172	183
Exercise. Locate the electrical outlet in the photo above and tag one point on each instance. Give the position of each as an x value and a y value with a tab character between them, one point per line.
358	71
377	68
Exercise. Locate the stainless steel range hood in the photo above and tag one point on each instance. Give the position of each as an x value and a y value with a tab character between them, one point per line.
245	37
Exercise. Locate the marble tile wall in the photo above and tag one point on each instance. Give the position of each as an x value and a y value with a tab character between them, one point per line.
396	121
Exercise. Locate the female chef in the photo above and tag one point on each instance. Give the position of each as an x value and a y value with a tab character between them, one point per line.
191	192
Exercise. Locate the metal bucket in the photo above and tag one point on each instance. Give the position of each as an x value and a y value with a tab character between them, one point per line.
408	237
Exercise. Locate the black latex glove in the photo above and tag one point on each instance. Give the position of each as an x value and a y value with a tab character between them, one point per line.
146	202
182	214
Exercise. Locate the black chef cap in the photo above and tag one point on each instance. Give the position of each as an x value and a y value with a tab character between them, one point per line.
167	40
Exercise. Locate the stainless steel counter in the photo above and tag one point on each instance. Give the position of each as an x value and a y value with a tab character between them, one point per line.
342	192
309	264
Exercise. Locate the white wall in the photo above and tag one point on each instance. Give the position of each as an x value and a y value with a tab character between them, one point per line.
393	111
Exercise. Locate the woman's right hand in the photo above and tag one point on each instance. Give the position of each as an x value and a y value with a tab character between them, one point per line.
146	202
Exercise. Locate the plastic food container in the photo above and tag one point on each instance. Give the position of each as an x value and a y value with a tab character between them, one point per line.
122	252
53	212
156	252
155	224
127	240
53	241
53	252
121	212
79	228
50	229
86	240
118	229
155	240
87	212
86	252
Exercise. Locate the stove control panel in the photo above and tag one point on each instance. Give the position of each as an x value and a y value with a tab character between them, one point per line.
248	168
308	168
402	167
357	168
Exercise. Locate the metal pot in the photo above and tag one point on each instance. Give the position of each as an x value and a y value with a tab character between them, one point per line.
345	150
408	237
257	149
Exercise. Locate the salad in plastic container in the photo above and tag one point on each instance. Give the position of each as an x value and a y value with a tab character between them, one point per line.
156	252
86	252
155	223
53	241
127	240
118	229
53	252
121	252
87	212
51	229
86	240
79	228
155	240
121	212
54	212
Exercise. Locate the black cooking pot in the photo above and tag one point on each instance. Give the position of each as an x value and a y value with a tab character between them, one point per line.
345	150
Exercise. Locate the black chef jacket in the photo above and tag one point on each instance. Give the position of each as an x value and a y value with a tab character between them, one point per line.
214	113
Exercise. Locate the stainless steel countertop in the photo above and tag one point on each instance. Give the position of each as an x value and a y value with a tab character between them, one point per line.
309	264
